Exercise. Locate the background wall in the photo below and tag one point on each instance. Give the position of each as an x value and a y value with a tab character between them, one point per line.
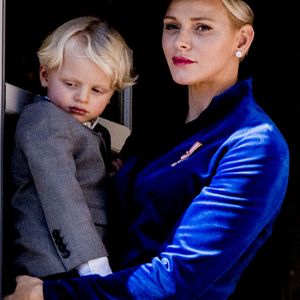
274	61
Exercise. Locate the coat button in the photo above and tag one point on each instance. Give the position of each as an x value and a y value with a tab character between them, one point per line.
62	248
55	233
59	241
66	254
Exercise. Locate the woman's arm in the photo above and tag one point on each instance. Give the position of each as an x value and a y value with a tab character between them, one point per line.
214	240
217	236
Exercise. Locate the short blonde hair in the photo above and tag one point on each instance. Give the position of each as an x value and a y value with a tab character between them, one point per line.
97	41
240	12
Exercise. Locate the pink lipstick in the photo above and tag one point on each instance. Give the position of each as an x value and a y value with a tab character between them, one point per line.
179	60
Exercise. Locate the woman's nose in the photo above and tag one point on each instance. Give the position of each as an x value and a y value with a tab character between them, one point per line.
183	41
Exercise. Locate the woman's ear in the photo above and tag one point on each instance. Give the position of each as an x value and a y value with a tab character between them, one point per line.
43	76
245	38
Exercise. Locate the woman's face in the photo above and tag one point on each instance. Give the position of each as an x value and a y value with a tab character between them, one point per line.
200	41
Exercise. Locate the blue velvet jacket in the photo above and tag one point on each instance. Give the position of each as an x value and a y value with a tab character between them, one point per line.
201	211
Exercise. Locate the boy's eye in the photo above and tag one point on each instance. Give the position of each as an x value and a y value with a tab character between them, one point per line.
96	91
69	83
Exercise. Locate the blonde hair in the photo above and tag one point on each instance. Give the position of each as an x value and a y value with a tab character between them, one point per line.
97	41
240	12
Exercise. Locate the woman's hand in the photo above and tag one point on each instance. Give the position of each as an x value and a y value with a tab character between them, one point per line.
116	165
28	288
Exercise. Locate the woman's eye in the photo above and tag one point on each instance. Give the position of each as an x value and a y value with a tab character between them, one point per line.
170	26
203	27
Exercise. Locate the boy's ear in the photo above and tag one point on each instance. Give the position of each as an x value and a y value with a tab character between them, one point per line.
246	36
43	76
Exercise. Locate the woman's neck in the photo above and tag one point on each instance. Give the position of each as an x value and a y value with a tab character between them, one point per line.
200	96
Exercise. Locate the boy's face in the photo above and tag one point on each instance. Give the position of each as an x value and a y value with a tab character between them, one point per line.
79	87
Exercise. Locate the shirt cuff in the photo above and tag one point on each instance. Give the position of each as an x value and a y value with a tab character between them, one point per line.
98	266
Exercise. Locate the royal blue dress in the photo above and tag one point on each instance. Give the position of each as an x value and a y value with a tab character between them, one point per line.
195	217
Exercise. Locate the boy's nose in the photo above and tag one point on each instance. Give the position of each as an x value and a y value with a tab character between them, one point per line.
82	96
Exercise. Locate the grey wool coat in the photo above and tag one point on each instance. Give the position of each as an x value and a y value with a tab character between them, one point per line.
60	198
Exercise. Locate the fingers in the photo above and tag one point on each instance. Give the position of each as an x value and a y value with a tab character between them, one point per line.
117	164
22	278
19	278
28	288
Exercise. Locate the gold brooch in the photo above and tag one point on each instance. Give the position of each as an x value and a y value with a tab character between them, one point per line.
188	153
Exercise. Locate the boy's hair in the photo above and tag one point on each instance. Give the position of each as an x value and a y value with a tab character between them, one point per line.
95	40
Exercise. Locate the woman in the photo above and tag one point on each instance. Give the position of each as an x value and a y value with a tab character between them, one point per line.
195	216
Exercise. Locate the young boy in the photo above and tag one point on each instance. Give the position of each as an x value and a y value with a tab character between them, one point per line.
59	165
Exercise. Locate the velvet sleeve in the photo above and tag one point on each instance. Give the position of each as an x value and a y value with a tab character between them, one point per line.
216	236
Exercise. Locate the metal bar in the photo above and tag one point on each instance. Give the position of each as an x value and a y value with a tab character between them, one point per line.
2	109
125	98
126	107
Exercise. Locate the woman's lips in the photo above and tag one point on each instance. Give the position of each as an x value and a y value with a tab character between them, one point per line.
179	60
